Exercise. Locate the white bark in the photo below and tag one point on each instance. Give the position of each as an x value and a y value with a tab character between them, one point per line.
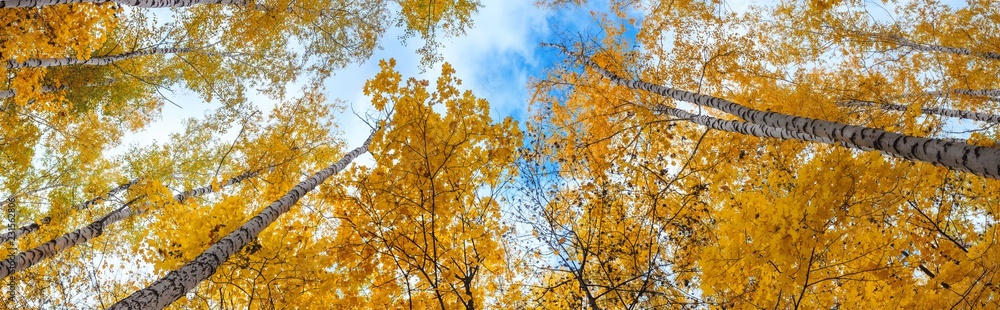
26	229
959	156
995	93
976	116
31	257
943	49
175	284
135	3
748	128
95	61
21	231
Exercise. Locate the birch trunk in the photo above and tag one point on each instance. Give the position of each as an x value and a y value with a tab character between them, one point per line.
995	93
942	49
175	284
976	116
992	94
26	229
959	156
23	230
95	61
748	128
95	229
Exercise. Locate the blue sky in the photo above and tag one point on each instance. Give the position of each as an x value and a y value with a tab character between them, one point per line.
495	59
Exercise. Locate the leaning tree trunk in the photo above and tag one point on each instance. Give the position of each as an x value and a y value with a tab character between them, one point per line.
748	128
26	229
901	41
95	61
994	93
49	249
954	155
175	284
975	116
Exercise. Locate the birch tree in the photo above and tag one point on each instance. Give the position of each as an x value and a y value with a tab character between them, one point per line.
789	215
177	283
970	115
26	229
94	61
49	249
196	155
979	160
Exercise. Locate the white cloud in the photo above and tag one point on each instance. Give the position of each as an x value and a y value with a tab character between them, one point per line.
489	59
493	56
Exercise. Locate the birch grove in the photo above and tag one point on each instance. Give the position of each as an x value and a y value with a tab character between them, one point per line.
726	134
177	283
26	229
688	154
81	235
960	156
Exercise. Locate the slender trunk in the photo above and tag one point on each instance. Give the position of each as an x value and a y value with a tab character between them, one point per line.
26	229
976	116
175	284
995	93
959	156
135	3
901	41
95	61
49	249
742	127
23	230
750	128
112	192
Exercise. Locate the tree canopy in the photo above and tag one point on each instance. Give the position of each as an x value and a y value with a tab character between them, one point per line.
693	154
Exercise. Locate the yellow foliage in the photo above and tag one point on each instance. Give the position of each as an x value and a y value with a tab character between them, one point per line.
423	223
